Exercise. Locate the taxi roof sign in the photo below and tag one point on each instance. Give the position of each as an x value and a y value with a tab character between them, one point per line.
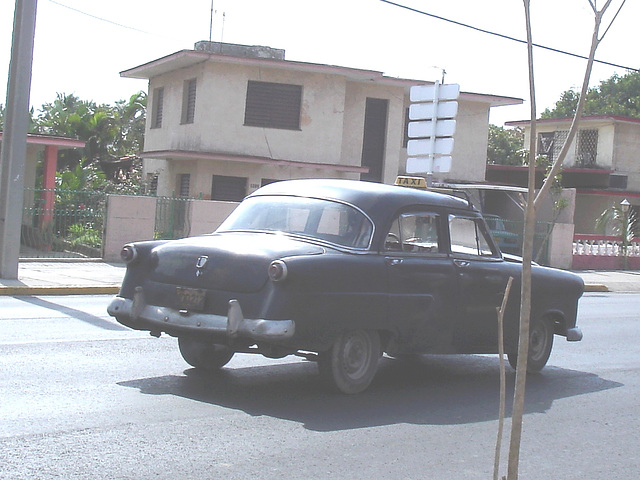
413	182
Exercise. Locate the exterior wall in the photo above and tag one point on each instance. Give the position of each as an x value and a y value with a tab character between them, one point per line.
626	154
206	216
128	219
332	128
561	246
589	208
469	156
606	146
219	115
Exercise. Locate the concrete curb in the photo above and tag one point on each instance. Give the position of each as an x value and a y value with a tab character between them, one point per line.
595	287
60	290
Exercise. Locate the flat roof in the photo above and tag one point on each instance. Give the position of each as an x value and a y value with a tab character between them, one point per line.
189	58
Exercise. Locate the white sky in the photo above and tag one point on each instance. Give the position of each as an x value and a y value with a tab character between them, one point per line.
81	54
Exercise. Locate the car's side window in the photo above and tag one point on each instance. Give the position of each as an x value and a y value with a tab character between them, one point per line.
414	232
467	237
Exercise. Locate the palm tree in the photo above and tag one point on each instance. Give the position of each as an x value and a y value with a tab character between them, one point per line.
621	220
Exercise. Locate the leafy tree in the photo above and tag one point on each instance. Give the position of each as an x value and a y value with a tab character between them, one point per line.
110	132
505	146
618	95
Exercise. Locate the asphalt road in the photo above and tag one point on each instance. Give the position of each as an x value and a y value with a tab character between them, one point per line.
84	398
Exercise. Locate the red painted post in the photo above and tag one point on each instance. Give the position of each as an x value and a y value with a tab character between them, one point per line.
48	185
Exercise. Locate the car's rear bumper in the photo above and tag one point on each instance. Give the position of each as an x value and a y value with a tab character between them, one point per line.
138	314
574	334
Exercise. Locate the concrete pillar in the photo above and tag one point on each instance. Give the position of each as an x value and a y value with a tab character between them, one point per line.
48	184
129	219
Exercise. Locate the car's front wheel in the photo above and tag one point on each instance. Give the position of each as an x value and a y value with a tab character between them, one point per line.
540	344
352	361
204	355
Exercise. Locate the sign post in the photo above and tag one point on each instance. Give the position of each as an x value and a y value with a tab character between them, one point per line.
431	127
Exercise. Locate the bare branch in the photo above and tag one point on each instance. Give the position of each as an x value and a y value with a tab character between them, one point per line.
612	20
557	166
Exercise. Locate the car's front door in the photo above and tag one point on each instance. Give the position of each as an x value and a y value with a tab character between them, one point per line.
422	283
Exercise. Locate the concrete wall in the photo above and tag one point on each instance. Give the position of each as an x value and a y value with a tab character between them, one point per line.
561	246
129	219
132	218
206	215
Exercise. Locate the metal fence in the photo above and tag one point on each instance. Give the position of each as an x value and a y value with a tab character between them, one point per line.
70	223
173	217
62	223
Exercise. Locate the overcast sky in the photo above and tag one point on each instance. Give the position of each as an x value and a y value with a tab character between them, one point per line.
82	45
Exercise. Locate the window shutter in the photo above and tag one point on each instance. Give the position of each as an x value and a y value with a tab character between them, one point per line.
273	105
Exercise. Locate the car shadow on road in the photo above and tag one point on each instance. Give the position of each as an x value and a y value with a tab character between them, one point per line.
434	390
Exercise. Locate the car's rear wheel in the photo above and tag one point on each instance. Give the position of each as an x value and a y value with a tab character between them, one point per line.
204	355
540	344
352	361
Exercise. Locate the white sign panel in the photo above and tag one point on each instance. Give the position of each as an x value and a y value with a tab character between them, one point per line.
426	111
426	93
442	146
443	128
429	165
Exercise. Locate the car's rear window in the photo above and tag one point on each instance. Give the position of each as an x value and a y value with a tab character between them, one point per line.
325	220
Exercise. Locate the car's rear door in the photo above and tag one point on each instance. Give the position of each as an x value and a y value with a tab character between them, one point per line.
482	276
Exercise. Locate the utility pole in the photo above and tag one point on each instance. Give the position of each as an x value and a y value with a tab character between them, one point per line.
14	137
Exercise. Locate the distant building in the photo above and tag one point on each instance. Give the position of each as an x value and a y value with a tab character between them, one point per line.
602	164
223	119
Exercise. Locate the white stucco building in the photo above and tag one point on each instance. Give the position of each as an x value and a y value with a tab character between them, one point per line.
602	163
225	119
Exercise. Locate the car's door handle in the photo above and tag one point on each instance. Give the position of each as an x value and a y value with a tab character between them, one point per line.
462	263
394	261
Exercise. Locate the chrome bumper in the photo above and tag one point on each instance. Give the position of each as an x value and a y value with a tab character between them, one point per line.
155	318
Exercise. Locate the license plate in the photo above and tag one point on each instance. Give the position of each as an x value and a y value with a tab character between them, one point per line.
190	298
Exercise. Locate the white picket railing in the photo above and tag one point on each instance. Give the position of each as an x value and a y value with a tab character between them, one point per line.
604	246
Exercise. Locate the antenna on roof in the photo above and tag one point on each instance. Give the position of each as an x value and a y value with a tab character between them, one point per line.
211	22
224	14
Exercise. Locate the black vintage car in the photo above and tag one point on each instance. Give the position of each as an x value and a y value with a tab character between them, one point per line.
341	272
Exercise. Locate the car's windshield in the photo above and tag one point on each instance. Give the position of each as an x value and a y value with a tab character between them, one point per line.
310	217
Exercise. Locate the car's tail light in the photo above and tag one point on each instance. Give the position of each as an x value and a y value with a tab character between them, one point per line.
128	253
277	271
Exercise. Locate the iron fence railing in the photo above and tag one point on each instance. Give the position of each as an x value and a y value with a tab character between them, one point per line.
62	223
173	218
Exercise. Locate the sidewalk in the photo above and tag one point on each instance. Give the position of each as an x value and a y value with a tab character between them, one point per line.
64	277
74	277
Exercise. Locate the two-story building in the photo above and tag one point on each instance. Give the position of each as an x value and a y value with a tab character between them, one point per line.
225	119
602	164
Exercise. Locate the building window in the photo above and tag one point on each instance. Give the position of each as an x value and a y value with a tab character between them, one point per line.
188	101
587	148
182	184
152	182
156	111
550	143
228	189
273	105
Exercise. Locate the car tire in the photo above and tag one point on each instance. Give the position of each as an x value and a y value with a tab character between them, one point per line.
351	363
204	355
540	344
